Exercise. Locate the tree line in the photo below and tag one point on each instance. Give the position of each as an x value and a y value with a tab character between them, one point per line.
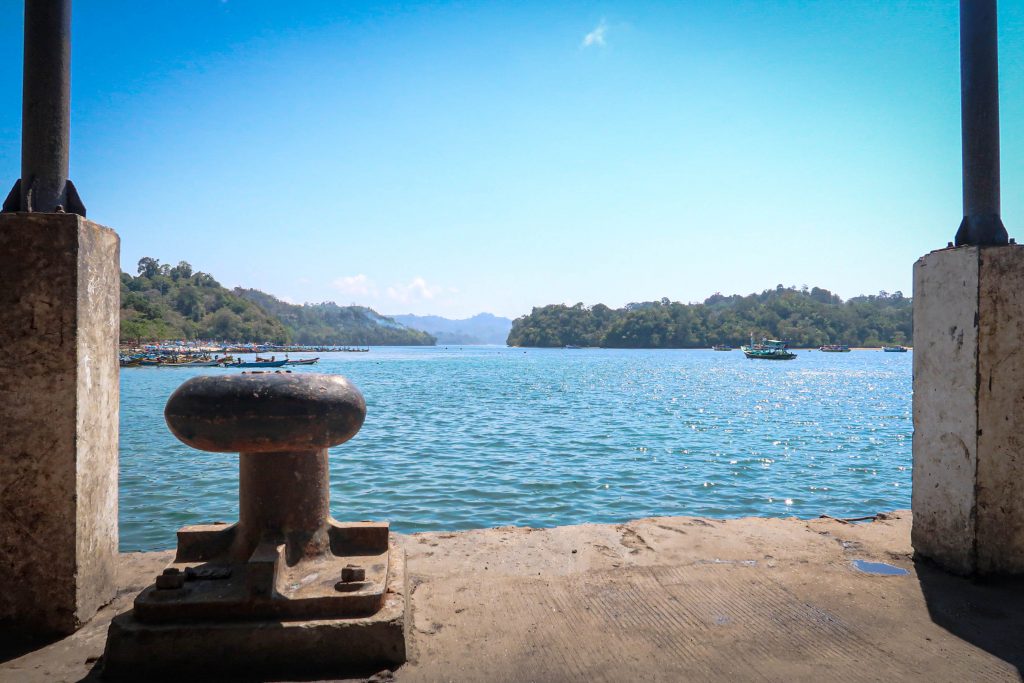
174	302
803	317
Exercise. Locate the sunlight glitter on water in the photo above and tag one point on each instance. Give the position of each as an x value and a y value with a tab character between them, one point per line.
485	436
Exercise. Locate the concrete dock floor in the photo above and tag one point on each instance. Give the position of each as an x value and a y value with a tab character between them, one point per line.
663	599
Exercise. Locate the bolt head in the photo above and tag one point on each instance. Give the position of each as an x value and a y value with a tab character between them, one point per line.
170	579
353	573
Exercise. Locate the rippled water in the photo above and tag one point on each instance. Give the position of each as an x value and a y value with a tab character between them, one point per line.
465	437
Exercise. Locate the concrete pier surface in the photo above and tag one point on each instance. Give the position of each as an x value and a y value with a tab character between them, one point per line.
662	599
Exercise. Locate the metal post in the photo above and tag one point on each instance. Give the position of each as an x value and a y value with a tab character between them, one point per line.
46	112
979	112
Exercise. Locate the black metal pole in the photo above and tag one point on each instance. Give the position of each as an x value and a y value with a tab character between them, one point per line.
979	115
46	107
46	112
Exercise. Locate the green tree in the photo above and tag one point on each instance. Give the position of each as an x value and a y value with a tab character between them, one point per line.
148	267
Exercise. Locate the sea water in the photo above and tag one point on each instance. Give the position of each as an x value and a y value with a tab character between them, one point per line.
467	437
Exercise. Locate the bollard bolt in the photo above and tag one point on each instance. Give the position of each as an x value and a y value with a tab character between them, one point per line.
353	578
353	573
171	578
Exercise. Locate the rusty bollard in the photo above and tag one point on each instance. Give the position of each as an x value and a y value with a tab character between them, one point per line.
286	562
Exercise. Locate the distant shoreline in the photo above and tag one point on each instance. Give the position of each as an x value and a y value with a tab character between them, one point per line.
674	348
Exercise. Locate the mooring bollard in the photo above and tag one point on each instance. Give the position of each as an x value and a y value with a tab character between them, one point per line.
286	575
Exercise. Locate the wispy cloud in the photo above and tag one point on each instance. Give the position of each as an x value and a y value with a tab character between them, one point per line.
416	294
416	289
357	285
596	37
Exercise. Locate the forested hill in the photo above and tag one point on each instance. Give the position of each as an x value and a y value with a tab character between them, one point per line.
173	302
805	318
165	302
328	323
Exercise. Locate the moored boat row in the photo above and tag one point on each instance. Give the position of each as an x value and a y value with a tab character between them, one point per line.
202	361
759	350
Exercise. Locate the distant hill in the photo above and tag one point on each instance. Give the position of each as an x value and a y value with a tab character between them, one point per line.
165	302
482	328
173	302
329	323
804	317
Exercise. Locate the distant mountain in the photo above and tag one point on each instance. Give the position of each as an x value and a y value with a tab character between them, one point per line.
482	328
330	324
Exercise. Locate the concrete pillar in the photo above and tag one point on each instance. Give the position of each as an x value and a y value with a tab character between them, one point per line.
59	307
968	495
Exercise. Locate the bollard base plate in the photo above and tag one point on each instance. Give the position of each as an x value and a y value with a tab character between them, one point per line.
212	586
269	649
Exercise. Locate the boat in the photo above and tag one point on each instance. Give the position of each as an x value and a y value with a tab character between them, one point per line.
261	364
721	347
304	361
895	349
572	346
834	348
768	349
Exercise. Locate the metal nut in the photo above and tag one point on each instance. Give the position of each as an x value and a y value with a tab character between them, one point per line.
170	579
353	573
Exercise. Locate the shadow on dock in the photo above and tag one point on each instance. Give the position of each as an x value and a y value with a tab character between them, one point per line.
988	613
14	642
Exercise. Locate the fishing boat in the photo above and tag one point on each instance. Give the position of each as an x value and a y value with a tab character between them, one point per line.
834	348
768	349
572	347
304	361
721	347
895	349
261	364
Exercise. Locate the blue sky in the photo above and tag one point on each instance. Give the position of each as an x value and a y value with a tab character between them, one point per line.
459	157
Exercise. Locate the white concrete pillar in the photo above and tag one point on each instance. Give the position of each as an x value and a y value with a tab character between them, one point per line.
968	495
59	307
